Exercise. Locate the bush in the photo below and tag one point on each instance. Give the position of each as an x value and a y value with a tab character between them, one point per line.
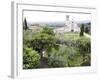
62	56
71	53
57	58
87	61
31	59
84	48
84	45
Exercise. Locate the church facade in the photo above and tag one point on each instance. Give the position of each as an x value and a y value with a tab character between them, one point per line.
70	26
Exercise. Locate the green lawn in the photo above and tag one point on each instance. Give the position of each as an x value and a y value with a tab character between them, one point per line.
71	36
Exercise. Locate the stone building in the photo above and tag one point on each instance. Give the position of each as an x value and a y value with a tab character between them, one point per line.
70	26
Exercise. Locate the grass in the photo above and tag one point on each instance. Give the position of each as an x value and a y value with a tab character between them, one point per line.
70	36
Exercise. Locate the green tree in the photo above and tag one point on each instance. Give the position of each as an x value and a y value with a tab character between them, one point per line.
44	41
25	24
82	30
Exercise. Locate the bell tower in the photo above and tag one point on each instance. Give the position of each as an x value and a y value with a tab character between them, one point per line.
67	23
72	26
67	17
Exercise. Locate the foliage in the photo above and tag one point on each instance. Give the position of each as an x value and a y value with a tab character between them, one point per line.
82	30
62	50
48	30
57	58
44	40
31	58
86	29
25	26
84	48
62	56
41	41
87	61
84	45
77	49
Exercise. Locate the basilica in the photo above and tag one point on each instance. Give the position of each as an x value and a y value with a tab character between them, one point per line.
69	26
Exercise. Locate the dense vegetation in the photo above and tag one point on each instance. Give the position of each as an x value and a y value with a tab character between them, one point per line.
43	48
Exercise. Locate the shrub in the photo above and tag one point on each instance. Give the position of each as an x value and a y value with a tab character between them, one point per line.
31	59
71	53
83	44
61	57
84	47
87	61
57	58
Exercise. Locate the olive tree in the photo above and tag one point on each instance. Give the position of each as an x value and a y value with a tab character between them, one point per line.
44	41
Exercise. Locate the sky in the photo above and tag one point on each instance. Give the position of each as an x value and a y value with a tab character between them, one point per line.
37	16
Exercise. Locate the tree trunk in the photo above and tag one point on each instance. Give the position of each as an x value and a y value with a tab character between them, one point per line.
83	57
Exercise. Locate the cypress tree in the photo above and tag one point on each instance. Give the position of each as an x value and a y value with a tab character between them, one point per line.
82	30
25	24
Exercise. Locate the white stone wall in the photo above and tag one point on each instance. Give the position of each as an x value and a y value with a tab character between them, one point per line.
68	27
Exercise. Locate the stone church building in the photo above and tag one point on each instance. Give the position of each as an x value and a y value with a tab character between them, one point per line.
70	26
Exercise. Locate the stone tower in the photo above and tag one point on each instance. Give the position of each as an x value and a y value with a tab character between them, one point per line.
72	26
67	24
67	17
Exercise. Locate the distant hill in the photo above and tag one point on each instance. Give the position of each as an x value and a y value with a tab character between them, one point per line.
54	24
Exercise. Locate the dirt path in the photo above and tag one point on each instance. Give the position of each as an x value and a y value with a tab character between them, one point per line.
44	63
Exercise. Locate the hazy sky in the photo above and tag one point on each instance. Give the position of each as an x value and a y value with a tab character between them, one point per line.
34	16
